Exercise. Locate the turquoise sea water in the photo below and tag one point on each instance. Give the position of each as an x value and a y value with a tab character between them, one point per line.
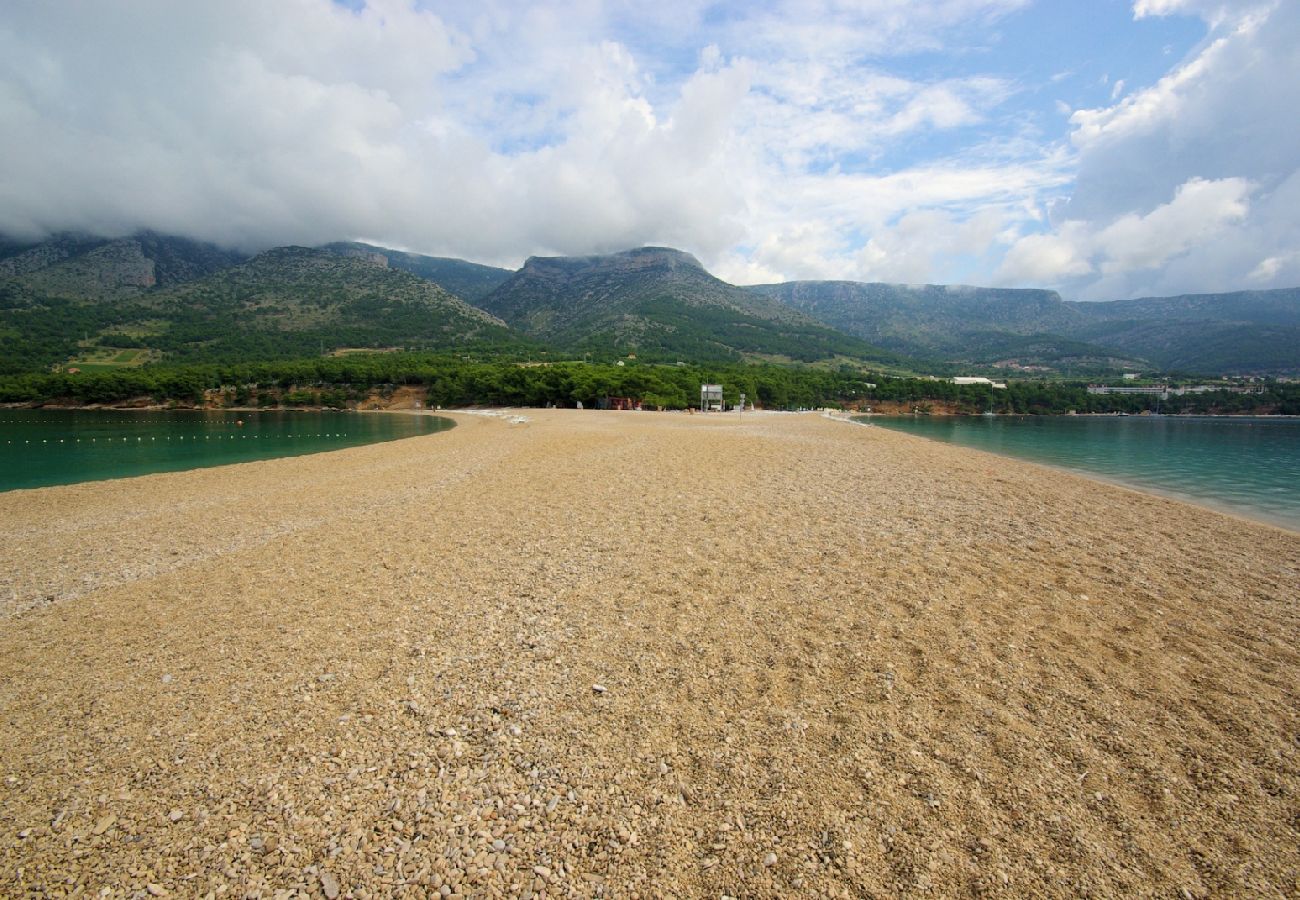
45	447
1250	466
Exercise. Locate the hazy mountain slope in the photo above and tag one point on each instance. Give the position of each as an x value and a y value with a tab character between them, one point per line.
95	269
924	315
659	303
1239	332
19	258
984	326
469	281
1274	307
1210	333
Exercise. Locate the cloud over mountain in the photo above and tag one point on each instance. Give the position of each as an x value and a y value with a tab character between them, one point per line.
878	140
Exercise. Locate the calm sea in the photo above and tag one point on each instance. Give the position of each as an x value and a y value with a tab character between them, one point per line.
44	447
1250	466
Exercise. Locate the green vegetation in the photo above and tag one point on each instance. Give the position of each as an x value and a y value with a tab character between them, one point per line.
284	304
453	381
85	302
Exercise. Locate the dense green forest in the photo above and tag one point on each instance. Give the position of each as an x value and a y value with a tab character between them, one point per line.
454	381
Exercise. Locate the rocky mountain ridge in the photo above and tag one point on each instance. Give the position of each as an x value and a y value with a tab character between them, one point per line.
656	302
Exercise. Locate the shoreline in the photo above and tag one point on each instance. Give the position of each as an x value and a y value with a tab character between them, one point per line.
649	654
519	415
166	407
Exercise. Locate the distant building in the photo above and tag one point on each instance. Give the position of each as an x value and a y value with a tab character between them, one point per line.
1105	389
1165	390
1130	376
964	379
710	398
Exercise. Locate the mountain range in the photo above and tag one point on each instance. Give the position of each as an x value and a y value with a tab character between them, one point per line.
1007	328
73	298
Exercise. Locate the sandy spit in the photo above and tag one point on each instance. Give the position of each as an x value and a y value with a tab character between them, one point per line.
641	654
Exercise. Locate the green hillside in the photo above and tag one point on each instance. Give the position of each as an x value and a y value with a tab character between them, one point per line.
95	303
661	304
287	302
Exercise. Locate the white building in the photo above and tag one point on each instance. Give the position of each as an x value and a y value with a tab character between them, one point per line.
966	379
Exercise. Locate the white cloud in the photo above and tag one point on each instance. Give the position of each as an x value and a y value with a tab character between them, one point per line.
775	140
1180	184
496	130
1199	214
1214	11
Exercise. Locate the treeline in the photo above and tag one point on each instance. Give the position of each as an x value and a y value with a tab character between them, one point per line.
448	381
456	381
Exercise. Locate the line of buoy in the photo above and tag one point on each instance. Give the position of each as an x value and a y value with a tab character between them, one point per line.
182	437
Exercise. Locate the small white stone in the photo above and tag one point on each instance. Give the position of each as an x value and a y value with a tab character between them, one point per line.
770	859
598	688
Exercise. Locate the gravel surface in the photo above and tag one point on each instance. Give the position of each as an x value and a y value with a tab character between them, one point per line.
641	654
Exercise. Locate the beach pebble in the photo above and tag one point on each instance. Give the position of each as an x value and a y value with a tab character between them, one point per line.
330	885
770	859
598	688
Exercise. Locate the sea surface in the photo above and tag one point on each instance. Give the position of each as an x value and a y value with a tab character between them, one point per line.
1248	466
45	447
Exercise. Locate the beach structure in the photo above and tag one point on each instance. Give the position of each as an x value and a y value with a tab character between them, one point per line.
710	398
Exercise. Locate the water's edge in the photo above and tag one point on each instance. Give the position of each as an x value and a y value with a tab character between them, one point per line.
1237	508
177	440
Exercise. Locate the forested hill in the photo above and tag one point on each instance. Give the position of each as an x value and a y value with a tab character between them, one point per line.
660	303
286	302
294	301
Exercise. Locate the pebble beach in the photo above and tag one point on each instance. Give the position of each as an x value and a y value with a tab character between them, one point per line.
603	654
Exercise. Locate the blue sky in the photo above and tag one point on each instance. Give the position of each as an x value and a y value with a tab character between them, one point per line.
1107	149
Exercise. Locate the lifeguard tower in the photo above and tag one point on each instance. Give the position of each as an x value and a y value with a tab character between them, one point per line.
710	398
